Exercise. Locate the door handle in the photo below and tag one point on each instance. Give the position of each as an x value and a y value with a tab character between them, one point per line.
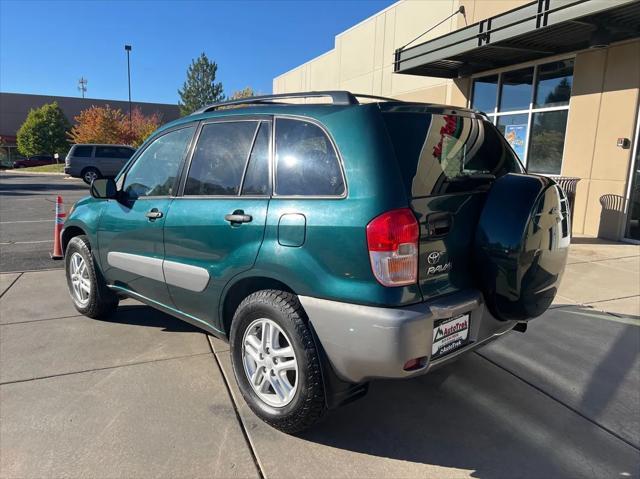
238	218
153	214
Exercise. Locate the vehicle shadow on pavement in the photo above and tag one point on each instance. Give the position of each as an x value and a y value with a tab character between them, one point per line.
471	416
618	363
142	315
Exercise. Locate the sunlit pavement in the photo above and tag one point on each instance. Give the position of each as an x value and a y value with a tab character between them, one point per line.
144	395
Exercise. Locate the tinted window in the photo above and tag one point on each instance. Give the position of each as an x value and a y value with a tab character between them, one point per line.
306	162
485	92
83	151
547	142
256	179
447	153
113	152
155	171
219	158
516	90
554	84
514	129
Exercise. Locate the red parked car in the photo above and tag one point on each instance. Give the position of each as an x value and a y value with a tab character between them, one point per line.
37	160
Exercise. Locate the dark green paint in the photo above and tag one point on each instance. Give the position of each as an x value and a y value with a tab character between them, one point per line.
324	256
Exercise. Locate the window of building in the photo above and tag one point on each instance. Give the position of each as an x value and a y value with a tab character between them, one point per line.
220	157
530	107
306	162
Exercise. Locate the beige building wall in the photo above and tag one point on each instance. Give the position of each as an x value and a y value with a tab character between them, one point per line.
362	59
603	106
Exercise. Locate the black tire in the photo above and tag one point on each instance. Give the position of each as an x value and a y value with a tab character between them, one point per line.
308	403
89	174
101	300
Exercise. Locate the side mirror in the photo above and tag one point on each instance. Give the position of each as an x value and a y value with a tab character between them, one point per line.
104	188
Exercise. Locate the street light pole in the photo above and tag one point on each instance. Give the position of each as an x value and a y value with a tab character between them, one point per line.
128	49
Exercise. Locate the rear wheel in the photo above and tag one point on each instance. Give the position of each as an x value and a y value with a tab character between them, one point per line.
87	288
90	174
275	361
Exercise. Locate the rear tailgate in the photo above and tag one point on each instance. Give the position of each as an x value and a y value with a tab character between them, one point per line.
448	162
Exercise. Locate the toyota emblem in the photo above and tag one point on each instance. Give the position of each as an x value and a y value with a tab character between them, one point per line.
433	257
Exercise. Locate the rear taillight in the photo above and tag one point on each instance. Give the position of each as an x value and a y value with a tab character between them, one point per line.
392	239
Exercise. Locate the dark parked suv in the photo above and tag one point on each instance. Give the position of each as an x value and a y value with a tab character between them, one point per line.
331	244
96	161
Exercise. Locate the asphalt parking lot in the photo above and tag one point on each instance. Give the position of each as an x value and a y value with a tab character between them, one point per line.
27	210
145	395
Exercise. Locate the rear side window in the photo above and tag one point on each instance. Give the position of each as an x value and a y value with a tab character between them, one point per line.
219	158
83	151
306	162
440	154
113	152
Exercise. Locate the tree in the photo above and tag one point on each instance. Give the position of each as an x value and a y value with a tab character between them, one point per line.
200	88
44	132
112	126
98	125
247	92
141	127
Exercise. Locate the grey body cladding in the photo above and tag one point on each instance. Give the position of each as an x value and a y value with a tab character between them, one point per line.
181	275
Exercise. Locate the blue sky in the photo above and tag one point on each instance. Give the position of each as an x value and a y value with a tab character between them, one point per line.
46	46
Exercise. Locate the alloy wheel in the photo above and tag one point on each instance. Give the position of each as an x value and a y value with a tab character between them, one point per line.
270	362
80	281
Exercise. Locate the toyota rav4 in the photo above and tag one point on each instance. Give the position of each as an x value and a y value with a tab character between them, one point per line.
330	244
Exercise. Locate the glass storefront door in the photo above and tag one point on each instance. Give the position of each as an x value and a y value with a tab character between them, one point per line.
633	213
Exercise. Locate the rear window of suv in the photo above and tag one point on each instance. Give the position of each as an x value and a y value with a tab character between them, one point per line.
446	153
83	151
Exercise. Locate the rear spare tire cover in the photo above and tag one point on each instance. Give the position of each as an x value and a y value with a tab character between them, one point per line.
521	245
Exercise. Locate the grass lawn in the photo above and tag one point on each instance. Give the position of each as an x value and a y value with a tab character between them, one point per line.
59	168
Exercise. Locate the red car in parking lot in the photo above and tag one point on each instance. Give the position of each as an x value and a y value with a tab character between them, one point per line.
38	160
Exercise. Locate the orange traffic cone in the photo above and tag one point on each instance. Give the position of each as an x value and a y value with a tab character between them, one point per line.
57	229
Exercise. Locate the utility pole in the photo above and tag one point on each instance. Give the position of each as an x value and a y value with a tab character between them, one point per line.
82	85
128	50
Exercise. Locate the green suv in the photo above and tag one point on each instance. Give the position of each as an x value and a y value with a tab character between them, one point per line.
330	244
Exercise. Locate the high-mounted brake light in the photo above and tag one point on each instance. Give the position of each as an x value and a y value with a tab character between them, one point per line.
392	239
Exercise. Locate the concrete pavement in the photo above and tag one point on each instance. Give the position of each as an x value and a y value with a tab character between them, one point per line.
603	275
143	395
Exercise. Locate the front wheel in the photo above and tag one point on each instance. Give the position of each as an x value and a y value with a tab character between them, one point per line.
87	288
275	361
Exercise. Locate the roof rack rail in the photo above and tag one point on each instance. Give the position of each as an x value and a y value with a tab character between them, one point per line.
338	97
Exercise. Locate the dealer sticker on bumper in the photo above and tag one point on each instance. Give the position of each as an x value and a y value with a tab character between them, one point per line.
449	335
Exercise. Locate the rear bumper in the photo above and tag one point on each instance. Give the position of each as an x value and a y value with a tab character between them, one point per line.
365	342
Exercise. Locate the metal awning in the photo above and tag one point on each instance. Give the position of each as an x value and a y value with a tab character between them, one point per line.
536	30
